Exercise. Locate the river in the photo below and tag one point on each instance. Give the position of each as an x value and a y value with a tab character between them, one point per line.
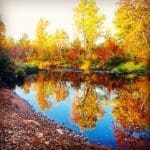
106	109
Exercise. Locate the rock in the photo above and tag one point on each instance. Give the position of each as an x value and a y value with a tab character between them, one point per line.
10	132
47	142
39	134
25	129
60	131
31	121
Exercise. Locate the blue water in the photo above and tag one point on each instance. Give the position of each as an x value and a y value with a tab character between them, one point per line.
61	112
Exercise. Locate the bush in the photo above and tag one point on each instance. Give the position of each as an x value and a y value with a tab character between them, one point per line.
130	66
30	69
24	70
7	76
115	61
20	72
6	64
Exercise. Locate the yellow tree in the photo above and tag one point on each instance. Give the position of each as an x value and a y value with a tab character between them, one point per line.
2	34
51	48
88	20
10	43
25	42
61	39
132	20
41	38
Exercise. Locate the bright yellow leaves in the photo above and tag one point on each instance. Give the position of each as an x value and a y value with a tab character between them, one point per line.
132	20
86	109
88	20
49	47
41	38
86	65
61	40
2	34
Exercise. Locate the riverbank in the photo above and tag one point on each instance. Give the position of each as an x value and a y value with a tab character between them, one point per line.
22	128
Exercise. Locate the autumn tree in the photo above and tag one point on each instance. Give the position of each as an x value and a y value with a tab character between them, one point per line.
41	39
49	47
61	39
76	53
88	20
132	20
23	47
52	48
2	34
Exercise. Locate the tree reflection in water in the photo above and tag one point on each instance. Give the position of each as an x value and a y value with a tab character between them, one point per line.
130	108
41	86
132	113
86	110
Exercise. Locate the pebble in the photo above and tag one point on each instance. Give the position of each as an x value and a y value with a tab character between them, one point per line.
39	134
47	142
33	131
60	131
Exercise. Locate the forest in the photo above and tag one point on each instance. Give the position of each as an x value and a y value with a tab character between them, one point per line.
89	91
126	51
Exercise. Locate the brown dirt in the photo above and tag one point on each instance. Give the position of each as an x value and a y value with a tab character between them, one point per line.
23	129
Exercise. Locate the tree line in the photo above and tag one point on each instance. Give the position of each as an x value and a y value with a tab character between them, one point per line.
127	50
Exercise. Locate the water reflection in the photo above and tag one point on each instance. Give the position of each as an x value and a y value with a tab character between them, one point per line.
86	109
132	113
115	110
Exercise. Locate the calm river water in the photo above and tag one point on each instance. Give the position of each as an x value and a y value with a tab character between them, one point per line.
105	109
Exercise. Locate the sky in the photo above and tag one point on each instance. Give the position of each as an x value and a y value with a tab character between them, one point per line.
21	16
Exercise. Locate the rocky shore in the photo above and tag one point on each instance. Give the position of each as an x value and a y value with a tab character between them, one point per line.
23	129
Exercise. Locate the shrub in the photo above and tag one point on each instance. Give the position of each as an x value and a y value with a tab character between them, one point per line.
6	64
129	66
115	61
30	69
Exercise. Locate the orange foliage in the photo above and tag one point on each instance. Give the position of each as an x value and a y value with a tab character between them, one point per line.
73	55
26	86
61	92
41	92
132	105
